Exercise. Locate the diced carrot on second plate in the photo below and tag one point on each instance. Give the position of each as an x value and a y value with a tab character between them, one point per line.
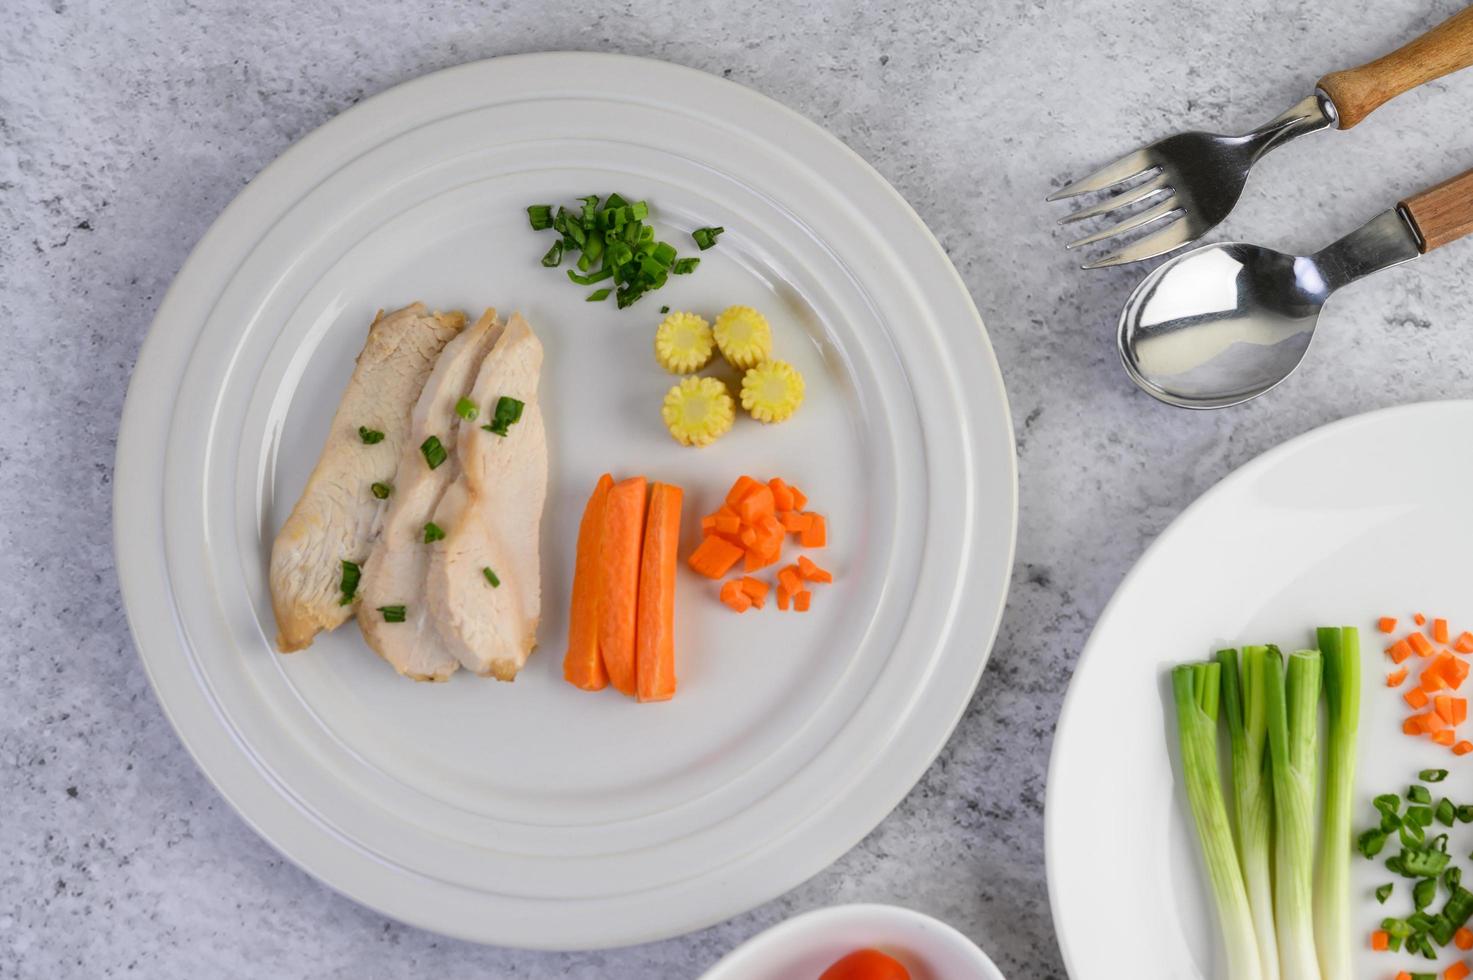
812	572
1439	630
784	599
790	580
1386	624
1444	736
756	504
801	600
816	535
1458	971
1463	938
1380	940
782	494
1395	678
1399	651
1420	644
1443	705
756	590
1464	642
1416	697
739	489
1463	748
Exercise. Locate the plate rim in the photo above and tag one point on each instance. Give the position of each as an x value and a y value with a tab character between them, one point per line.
136	552
1053	820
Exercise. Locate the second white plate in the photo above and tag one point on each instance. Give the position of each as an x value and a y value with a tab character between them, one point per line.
1361	518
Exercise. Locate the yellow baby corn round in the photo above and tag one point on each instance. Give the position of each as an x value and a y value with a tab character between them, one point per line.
683	343
744	337
698	411
772	391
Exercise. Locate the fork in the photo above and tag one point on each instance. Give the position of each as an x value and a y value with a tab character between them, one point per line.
1196	178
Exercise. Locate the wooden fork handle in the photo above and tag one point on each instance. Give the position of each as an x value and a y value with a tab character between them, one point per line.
1443	213
1358	92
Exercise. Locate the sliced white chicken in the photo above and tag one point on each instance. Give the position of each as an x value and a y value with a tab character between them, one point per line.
492	518
395	572
336	517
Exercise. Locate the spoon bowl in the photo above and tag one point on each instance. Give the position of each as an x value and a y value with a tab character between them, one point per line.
1224	323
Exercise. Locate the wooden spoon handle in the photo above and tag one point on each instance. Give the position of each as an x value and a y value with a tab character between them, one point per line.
1357	92
1443	213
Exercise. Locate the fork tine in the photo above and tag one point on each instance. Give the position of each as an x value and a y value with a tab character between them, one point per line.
1124	199
1128	166
1167	207
1172	237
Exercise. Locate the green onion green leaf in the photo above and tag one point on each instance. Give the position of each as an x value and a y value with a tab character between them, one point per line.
433	533
434	453
349	583
491	577
392	614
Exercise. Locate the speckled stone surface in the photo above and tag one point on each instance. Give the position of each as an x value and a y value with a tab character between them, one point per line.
126	127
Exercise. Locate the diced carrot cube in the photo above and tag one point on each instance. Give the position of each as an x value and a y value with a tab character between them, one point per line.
743	486
1432	681
1463	938
1444	737
1457	971
1395	678
1463	748
1419	619
800	499
756	504
792	521
1464	643
812	572
748	537
708	524
1403	975
1443	705
1399	651
789	579
727	521
1460	711
756	590
1416	697
782	494
784	598
755	560
1412	726
1420	644
1386	624
733	595
801	600
816	535
1380	940
1439	630
714	557
1453	670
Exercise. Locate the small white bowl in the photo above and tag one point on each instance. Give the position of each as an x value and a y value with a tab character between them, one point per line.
803	947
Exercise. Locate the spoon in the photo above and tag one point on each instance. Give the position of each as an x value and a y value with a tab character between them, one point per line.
1224	323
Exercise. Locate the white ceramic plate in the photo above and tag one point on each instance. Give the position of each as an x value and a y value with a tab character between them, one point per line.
535	814
1365	517
806	945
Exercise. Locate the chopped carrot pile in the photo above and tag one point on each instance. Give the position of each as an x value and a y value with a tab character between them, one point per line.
1441	673
1458	971
1463	938
1380	940
751	527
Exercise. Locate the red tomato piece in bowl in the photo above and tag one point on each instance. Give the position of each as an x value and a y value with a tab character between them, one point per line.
867	964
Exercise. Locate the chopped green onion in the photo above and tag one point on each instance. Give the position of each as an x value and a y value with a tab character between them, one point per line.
1423	893
392	614
1465	814
615	201
1384	892
1419	794
1419	815
598	295
639	210
467	409
1445	812
1452	878
706	237
349	584
508	413
491	577
1371	842
433	533
1423	862
1387	803
540	215
684	267
1432	775
434	453
593	277
381	490
370	436
664	309
554	256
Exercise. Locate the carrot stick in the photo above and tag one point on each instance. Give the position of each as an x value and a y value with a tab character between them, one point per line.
655	634
582	665
619	580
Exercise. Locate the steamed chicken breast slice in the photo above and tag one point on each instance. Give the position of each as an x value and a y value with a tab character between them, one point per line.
396	568
335	519
492	520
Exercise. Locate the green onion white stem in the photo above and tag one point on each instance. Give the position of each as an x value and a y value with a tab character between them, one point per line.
1196	689
1293	720
1244	702
1341	651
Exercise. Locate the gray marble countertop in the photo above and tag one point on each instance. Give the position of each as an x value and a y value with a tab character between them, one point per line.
126	127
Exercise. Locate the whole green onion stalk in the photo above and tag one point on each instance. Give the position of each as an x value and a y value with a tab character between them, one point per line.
1244	702
1341	651
1293	720
1196	689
